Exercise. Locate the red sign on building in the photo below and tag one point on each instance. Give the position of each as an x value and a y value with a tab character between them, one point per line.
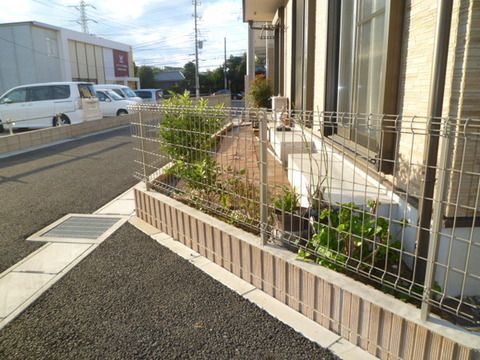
120	62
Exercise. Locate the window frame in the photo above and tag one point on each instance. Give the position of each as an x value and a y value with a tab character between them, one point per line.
383	149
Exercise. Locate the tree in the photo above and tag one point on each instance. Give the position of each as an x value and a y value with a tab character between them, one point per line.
189	73
147	81
237	68
213	80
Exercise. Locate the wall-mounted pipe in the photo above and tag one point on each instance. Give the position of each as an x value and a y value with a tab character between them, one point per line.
435	107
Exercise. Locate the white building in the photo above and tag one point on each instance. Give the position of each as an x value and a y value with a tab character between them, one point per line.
34	52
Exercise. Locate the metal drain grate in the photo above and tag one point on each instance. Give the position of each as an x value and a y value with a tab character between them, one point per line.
80	228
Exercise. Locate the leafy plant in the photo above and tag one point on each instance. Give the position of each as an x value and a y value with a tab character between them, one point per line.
187	128
287	200
260	92
200	177
354	236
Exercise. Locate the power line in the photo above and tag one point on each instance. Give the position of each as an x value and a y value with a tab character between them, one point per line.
83	19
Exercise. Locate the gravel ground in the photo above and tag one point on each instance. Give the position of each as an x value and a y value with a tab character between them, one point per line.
134	299
41	186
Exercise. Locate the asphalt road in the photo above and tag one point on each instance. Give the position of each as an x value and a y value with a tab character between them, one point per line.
134	299
131	298
39	187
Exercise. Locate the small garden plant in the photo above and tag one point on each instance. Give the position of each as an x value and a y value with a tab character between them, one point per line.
188	137
286	199
187	128
348	238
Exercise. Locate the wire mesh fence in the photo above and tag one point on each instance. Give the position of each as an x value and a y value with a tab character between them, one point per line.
352	192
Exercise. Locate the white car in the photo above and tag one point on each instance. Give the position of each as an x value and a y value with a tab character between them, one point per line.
112	104
122	90
150	95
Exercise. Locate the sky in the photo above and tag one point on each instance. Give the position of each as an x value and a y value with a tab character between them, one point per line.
161	32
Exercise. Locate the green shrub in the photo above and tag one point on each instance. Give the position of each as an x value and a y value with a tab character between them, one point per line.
349	234
260	92
187	128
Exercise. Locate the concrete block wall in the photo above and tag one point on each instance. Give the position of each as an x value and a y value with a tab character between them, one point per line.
378	323
25	140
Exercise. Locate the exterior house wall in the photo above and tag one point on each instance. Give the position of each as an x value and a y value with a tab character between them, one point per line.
465	91
460	101
415	72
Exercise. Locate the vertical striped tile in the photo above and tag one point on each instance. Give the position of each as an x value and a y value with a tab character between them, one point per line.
227	252
345	320
202	241
337	301
464	353
257	262
420	343
302	291
363	325
268	272
157	214
448	349
310	296
209	242
237	259
434	346
373	328
218	246
354	324
163	217
396	334
326	304
292	289
180	226
172	222
408	341
385	328
246	257
280	280
187	232
150	210
168	220
197	233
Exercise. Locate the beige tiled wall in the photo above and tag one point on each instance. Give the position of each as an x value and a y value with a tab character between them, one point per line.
24	140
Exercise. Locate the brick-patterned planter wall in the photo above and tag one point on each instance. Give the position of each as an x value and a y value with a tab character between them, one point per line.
378	323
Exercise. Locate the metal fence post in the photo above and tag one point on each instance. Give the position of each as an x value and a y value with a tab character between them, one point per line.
440	194
142	147
11	126
263	179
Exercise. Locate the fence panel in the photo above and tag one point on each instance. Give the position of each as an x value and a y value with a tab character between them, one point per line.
346	191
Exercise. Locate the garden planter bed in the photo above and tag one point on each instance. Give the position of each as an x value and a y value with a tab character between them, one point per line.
378	323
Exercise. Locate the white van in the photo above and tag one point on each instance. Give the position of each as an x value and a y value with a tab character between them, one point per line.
122	90
113	104
49	104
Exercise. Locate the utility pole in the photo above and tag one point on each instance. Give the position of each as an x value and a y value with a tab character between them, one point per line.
197	83
83	20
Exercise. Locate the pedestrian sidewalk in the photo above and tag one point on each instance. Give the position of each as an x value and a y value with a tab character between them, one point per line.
27	280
